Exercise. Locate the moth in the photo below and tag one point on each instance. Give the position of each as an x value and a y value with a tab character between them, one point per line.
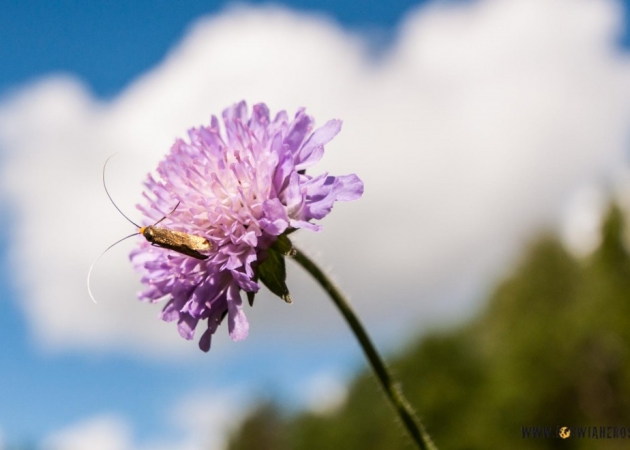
187	244
178	241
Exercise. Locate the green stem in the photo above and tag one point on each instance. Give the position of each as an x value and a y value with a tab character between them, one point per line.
391	388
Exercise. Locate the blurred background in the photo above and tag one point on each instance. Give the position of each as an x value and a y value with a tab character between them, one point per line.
488	256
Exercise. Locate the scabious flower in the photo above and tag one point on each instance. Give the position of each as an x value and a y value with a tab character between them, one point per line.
240	187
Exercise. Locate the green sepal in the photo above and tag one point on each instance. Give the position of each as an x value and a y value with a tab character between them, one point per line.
284	245
273	273
250	298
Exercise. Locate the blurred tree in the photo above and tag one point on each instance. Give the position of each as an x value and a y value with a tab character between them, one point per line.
551	349
262	430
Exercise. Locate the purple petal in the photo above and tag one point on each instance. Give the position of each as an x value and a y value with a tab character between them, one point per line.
306	225
323	193
234	262
237	322
244	281
186	326
197	303
170	312
238	326
259	121
214	320
292	196
311	158
206	340
249	238
313	148
284	169
299	128
348	188
236	111
275	219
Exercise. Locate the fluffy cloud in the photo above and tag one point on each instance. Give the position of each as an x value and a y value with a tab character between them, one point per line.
475	128
98	433
325	392
202	421
207	417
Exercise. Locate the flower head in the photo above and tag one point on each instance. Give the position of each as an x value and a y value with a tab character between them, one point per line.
240	188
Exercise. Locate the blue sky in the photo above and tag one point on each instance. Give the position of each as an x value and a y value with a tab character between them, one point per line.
109	43
452	156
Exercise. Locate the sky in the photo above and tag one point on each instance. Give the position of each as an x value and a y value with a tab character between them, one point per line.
473	124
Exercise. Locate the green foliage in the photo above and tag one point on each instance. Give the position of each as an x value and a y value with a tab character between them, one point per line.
262	430
552	349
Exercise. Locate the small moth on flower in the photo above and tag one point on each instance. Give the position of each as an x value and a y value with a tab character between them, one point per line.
187	244
184	243
244	185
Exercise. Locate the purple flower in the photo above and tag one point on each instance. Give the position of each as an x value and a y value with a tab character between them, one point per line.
240	188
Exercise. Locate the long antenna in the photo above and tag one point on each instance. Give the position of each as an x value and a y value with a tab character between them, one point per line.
166	215
96	260
110	197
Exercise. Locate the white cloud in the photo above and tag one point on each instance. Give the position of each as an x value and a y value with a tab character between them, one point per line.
98	433
206	418
473	130
325	392
202	421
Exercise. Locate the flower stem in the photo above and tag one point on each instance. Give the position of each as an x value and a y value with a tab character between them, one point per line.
392	389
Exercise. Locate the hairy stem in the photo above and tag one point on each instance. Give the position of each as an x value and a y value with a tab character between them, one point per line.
392	389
